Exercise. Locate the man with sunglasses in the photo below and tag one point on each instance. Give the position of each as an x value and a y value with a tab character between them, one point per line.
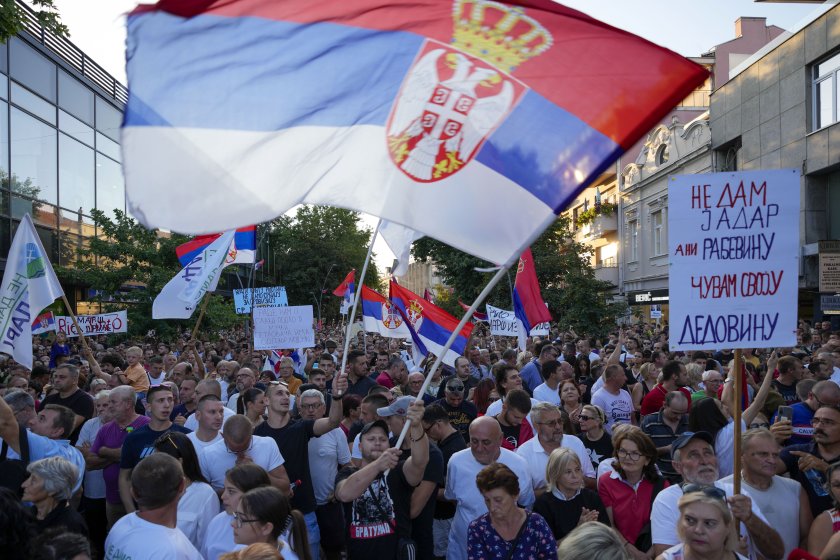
693	457
463	374
461	411
807	463
292	437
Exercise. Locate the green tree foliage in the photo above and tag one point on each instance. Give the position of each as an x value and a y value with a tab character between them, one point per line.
12	17
314	250
129	265
575	297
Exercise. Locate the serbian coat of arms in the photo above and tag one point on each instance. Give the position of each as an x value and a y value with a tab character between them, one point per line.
455	96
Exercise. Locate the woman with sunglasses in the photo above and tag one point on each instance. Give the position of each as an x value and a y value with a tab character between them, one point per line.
263	515
706	527
827	523
199	504
252	405
628	492
595	438
238	480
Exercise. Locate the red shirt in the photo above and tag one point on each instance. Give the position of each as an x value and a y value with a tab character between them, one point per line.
654	400
385	380
631	507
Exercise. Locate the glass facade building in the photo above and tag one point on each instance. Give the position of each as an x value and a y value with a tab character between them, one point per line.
60	116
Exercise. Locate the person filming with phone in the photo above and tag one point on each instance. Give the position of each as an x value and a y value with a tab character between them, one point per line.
800	414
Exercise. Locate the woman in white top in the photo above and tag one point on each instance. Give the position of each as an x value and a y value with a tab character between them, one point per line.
219	537
199	504
263	515
706	527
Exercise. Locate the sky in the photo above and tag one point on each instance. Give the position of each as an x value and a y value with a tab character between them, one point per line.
690	28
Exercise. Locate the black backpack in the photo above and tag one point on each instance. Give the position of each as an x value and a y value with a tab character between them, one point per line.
13	471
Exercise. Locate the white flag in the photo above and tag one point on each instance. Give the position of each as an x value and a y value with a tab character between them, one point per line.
181	295
29	285
399	239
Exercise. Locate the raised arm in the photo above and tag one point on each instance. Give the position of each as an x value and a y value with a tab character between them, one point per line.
324	425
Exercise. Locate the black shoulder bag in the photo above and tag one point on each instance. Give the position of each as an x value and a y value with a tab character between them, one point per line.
13	471
518	536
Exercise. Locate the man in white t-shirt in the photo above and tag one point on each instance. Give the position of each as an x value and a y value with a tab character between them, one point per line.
693	456
485	448
549	390
209	416
548	424
207	387
613	400
150	533
239	445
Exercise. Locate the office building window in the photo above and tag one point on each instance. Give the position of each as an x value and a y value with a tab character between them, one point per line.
76	175
39	107
34	158
108	119
659	245
833	218
825	92
75	98
4	144
110	189
33	69
633	226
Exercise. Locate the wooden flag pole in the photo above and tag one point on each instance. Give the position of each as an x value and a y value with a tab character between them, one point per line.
75	322
200	315
736	414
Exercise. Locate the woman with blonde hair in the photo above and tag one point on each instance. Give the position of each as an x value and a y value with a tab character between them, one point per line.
256	551
567	503
647	381
595	438
593	541
706	527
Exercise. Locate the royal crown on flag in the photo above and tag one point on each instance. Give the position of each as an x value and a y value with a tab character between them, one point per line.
501	35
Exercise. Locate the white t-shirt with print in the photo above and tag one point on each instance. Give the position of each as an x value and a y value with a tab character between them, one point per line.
137	539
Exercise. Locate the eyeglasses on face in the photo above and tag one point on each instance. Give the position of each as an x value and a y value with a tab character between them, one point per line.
816	421
755	425
310	406
632	455
239	519
706	489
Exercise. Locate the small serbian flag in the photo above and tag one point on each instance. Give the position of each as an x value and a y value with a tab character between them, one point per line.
243	250
381	316
432	324
476	316
43	323
528	304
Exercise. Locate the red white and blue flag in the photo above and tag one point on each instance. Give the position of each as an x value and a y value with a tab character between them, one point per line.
477	316
528	304
243	250
432	324
410	110
381	316
43	323
347	290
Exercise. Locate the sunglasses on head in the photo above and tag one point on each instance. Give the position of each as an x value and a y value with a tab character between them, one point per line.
705	489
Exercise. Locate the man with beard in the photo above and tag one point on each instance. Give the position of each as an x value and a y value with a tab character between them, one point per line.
807	463
693	457
461	411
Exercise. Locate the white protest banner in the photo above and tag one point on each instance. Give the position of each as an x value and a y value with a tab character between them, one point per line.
504	323
106	323
734	259
274	296
279	328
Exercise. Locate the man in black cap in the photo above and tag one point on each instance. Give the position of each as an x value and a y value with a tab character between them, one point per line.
377	495
693	457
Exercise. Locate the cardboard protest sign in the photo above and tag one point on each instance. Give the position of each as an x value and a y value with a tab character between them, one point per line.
105	323
274	296
734	256
283	327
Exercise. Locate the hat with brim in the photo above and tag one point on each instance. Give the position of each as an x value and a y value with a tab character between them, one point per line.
375	424
686	437
397	408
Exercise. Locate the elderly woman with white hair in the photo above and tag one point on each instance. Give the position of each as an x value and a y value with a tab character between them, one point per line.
49	488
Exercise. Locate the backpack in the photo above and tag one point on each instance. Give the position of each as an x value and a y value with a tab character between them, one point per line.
13	471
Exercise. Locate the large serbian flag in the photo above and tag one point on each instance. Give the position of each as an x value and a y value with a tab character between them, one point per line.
243	250
380	316
410	110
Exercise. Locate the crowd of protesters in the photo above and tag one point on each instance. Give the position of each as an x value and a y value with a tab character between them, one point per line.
580	447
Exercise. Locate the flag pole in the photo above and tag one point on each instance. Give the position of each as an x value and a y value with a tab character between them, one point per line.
359	283
452	337
736	414
75	322
200	315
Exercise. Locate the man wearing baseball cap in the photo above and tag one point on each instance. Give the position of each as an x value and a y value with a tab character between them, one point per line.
377	505
461	411
693	456
424	496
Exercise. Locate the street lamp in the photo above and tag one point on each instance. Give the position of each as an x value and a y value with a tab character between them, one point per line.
321	295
